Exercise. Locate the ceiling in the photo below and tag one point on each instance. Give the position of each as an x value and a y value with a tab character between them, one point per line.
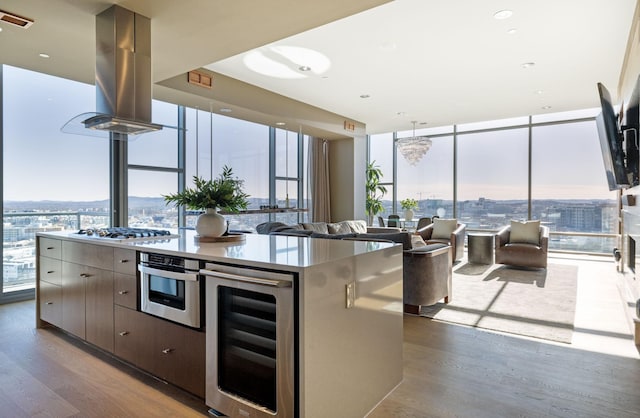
431	61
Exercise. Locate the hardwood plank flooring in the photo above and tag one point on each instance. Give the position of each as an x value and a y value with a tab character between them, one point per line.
449	370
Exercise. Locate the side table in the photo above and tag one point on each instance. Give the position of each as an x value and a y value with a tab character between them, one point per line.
480	249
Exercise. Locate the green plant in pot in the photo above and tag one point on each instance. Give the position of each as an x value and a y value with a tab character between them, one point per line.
408	205
224	192
375	191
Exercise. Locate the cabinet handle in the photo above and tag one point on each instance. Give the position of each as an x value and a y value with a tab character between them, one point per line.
167	350
50	271
49	303
124	261
123	292
85	275
123	333
50	248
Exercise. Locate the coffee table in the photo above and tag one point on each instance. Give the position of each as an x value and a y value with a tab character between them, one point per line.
480	247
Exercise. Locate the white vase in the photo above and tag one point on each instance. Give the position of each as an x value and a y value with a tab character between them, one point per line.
211	224
408	215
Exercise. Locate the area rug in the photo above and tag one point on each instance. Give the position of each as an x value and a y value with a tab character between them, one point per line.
535	303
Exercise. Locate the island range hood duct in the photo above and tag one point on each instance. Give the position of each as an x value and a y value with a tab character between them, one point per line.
123	76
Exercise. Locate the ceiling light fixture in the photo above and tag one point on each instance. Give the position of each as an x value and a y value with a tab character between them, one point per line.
43	55
512	31
286	61
413	148
280	123
503	14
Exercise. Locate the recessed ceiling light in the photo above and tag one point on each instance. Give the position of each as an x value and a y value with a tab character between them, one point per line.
43	55
225	110
0	29
546	107
528	64
280	123
364	96
304	68
503	14
512	31
539	91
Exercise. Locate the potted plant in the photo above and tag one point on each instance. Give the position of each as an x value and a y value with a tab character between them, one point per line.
224	192
375	191
408	205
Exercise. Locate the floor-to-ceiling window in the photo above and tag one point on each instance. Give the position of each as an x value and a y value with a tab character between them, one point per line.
56	181
492	173
430	180
546	167
381	154
52	181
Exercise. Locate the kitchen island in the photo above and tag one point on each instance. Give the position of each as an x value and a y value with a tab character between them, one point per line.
346	302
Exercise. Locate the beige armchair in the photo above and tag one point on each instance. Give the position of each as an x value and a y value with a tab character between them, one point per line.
446	231
522	253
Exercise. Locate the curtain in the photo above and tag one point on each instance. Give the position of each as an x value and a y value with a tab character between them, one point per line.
319	180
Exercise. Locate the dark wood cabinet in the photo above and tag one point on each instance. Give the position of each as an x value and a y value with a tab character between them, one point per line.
125	290
50	303
99	308
87	292
169	351
73	299
180	354
91	291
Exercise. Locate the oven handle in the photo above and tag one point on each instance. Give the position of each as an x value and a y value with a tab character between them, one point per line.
246	279
192	277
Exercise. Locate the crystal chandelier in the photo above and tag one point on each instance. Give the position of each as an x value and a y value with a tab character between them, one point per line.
414	147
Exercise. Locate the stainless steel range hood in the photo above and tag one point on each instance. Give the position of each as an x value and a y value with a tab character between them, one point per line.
123	76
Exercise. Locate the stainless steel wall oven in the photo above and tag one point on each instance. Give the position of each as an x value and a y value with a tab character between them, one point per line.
171	288
251	362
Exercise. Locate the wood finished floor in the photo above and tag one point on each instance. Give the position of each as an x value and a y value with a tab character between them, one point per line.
450	370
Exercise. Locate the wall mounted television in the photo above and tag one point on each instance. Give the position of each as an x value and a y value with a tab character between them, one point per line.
619	147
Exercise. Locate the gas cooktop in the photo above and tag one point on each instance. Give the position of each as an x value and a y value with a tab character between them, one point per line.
121	233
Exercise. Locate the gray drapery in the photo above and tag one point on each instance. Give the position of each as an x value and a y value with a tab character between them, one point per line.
319	180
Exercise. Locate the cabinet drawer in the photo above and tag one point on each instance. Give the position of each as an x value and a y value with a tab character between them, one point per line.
50	270
98	256
50	301
181	357
124	261
134	337
125	290
50	247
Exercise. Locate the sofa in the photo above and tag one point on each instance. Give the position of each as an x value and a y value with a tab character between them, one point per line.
427	268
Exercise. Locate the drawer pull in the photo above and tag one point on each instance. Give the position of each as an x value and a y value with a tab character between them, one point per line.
85	275
50	248
124	261
123	292
123	333
49	303
167	350
50	272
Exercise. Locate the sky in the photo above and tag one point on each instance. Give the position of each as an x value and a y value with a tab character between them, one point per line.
43	163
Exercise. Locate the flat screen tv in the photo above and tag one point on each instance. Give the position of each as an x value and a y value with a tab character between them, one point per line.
611	143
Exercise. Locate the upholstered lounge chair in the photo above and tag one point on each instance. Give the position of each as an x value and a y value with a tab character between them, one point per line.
516	249
446	231
426	276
